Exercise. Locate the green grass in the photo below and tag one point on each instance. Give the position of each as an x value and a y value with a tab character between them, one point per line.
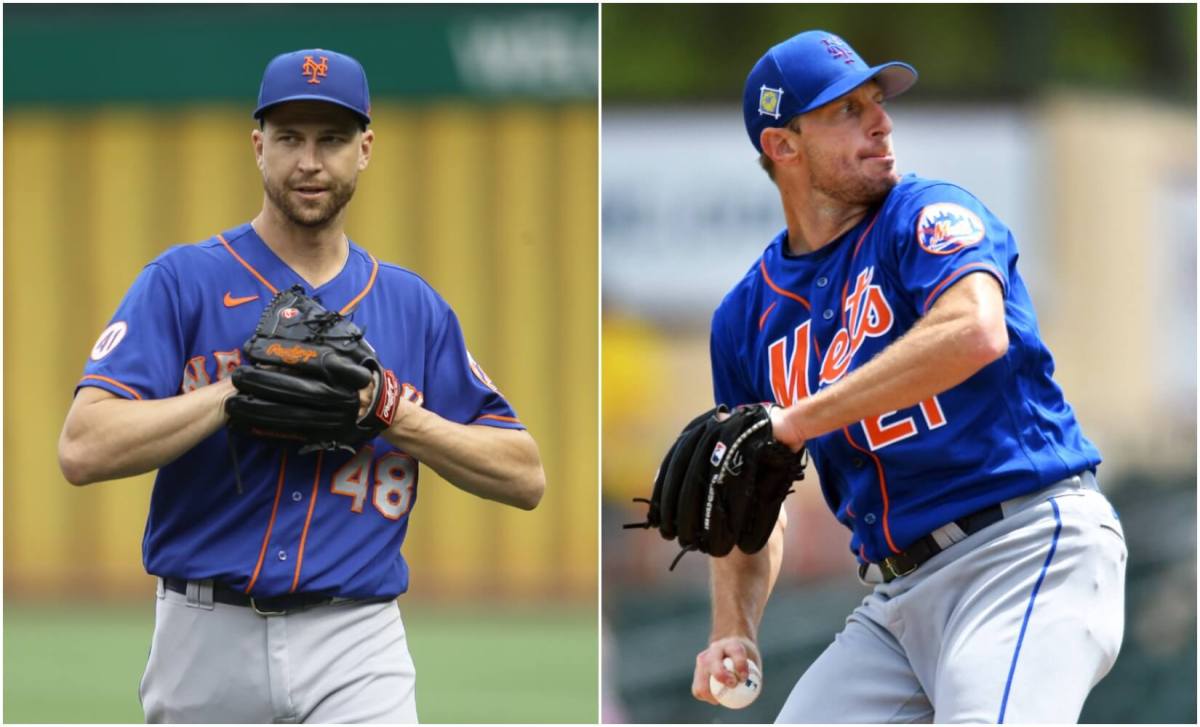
64	664
83	663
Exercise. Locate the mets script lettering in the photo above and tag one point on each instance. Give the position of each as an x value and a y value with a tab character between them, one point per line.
866	314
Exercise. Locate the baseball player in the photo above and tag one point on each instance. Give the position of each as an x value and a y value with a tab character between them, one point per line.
278	604
894	336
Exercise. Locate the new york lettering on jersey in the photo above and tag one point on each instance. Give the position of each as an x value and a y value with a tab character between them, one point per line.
805	322
328	522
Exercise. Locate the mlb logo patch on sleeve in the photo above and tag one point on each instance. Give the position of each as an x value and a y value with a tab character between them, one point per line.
946	228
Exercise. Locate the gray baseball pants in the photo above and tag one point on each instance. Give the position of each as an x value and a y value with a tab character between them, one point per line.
214	663
1015	623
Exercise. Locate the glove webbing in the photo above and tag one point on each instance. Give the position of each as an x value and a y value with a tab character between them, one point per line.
647	525
322	322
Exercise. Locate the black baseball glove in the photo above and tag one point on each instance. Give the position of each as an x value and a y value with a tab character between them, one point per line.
723	483
304	368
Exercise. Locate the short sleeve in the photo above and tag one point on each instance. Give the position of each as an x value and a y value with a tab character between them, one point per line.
139	355
729	378
944	233
456	386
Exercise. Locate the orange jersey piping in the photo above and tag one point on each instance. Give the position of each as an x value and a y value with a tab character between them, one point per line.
863	236
114	382
762	320
857	245
248	266
952	276
762	267
498	417
312	503
262	553
370	284
887	532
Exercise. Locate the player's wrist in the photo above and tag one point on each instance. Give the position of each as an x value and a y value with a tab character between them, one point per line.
784	427
405	423
222	390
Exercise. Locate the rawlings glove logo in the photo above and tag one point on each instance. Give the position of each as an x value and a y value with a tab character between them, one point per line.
386	411
290	356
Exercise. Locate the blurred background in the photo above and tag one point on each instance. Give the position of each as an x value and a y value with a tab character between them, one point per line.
1076	124
126	131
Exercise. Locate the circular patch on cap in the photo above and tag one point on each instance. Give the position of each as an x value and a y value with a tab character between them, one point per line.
944	228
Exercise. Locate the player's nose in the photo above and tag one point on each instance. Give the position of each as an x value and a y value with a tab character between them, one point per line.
310	157
879	123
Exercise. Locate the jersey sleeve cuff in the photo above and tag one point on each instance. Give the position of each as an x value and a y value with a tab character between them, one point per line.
499	420
960	273
111	385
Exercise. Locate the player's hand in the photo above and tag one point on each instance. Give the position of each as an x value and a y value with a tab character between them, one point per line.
710	663
365	396
784	431
223	389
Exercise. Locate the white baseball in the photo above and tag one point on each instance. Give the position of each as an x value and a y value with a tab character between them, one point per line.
741	695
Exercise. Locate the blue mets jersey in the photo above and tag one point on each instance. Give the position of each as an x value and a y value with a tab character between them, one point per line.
797	324
329	522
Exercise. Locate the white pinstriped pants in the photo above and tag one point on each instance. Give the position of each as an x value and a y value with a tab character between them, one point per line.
1014	624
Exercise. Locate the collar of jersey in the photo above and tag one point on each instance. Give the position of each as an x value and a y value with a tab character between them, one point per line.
256	256
819	255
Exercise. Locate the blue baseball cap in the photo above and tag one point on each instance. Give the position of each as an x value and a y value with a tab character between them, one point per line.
807	71
315	75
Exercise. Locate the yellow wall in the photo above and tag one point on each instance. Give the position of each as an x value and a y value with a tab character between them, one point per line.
496	206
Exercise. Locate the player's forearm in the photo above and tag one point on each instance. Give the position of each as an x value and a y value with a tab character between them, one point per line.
964	332
741	585
106	437
490	462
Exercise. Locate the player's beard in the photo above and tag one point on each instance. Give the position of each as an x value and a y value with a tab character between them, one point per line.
315	214
845	181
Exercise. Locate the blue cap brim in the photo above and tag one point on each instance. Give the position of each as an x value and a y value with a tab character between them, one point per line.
894	79
258	113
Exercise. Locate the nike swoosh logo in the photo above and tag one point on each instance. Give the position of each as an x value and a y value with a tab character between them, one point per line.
231	302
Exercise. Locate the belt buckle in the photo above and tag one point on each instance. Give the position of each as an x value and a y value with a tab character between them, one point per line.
888	567
261	612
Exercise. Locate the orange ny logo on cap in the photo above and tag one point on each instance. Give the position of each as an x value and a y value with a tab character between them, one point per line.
312	69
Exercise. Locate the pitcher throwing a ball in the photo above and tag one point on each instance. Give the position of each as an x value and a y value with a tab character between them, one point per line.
892	333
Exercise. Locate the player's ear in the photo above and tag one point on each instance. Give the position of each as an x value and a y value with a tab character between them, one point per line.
364	149
256	139
779	144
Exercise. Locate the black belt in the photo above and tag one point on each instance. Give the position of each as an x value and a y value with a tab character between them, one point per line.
926	546
264	606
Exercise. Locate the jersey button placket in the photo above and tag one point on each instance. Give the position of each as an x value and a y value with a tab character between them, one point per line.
869	518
